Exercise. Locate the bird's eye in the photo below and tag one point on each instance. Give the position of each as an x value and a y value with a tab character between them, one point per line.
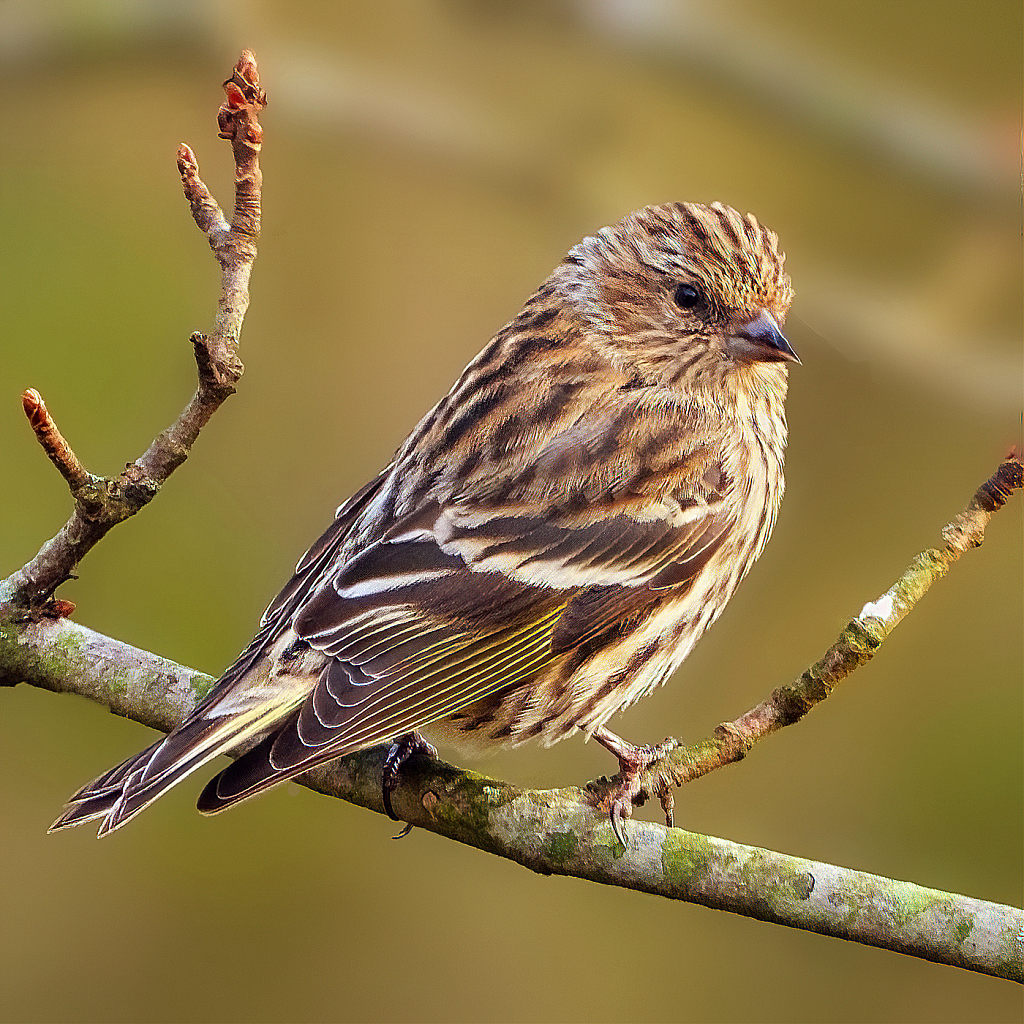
687	297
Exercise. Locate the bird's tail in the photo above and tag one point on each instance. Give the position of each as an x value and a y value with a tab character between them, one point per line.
121	793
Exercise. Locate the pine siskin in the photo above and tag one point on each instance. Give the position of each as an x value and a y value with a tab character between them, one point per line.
548	544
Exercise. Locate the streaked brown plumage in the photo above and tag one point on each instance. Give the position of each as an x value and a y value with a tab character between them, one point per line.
549	542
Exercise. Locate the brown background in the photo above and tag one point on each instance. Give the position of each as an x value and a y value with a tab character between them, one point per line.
426	165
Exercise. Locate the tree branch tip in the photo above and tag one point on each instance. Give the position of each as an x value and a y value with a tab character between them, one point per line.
238	117
243	87
187	162
58	451
1009	477
35	409
967	530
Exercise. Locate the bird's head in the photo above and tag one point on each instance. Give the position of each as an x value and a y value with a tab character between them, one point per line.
684	293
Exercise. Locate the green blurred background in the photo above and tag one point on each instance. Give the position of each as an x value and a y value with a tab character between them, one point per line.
426	164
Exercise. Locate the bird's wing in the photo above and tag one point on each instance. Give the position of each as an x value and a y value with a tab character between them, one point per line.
475	595
122	792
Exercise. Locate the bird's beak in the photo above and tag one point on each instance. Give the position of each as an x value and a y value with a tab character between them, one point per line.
760	340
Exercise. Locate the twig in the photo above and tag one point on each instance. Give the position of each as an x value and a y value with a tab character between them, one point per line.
58	451
103	502
562	832
857	644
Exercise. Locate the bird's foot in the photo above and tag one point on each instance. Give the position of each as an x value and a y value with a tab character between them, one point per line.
400	751
633	761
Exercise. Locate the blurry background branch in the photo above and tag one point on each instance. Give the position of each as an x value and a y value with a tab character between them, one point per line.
825	95
567	831
704	40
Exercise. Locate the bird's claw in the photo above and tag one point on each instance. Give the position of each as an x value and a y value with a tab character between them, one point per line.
398	753
619	811
622	801
633	761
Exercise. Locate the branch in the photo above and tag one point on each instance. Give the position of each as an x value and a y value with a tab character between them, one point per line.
550	831
103	502
564	831
857	645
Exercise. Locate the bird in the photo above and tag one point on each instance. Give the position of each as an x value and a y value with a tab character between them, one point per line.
545	547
